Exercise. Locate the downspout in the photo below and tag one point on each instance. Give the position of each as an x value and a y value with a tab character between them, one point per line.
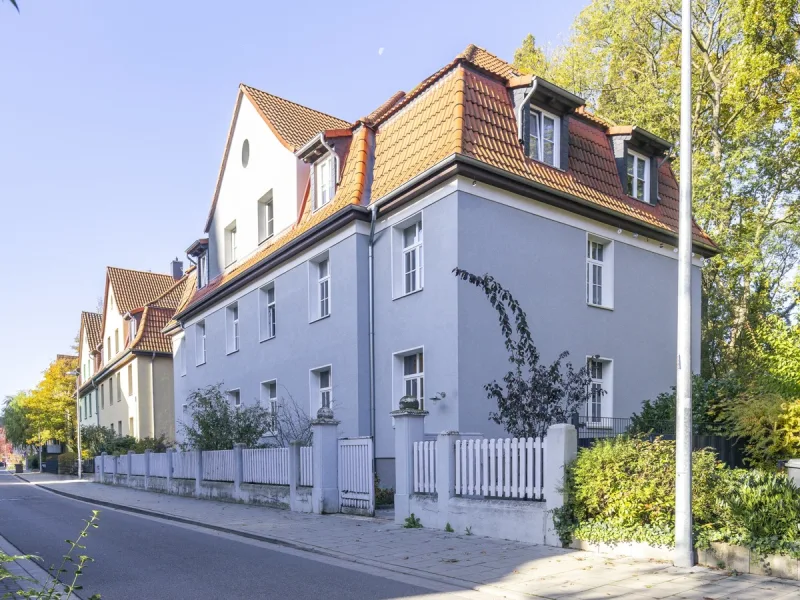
373	218
152	396
523	104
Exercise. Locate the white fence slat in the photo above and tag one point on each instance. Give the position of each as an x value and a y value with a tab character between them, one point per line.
492	467
417	470
458	467
306	466
485	463
265	465
539	467
184	465
218	465
507	467
158	465
137	464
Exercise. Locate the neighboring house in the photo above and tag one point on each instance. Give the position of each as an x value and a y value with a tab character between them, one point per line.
125	360
316	283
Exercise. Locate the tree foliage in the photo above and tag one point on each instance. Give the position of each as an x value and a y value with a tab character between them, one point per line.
533	395
50	408
213	424
15	421
624	58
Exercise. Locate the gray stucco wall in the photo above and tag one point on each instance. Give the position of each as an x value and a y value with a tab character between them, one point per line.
543	263
340	340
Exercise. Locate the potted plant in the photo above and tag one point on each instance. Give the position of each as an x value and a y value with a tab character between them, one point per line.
409	402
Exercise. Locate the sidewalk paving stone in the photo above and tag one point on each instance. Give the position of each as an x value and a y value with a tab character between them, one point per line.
495	567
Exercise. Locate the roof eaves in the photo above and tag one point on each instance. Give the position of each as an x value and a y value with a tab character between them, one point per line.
228	141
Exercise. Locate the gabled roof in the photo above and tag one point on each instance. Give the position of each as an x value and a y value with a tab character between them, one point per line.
173	296
293	124
463	114
149	336
134	289
92	324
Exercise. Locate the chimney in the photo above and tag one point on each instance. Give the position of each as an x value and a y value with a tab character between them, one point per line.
177	269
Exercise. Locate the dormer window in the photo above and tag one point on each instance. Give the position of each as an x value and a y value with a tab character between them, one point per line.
638	176
202	270
544	137
132	329
324	181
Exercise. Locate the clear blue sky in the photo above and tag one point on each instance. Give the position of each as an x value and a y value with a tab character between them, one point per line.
113	117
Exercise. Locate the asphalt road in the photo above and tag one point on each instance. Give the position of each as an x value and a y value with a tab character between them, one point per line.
138	558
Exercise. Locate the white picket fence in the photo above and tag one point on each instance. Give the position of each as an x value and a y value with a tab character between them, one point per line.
424	467
502	468
218	465
184	465
306	466
158	465
268	465
122	465
137	464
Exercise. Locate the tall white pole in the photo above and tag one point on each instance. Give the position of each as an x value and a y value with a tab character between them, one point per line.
78	420
684	548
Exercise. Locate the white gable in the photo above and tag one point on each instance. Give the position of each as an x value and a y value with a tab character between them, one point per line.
270	167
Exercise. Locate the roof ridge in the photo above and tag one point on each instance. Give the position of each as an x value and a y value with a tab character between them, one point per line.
138	271
319	112
171	289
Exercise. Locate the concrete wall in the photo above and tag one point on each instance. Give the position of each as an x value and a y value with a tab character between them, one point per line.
271	167
299	345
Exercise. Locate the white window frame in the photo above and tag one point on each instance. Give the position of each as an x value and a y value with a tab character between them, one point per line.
234	397
270	401
182	355
399	251
267	312
412	280
633	184
231	242
200	342
606	269
538	114
202	270
324	181
232	327
316	391
606	382
318	283
399	377
266	218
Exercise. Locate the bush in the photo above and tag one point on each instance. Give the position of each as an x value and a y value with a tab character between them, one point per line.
67	463
623	490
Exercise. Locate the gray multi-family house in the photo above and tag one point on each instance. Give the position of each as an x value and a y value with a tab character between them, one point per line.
326	273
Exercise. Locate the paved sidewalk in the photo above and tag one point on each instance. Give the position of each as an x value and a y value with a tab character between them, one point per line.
495	567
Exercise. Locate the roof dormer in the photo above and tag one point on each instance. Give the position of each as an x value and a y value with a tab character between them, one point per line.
542	108
198	254
638	154
323	156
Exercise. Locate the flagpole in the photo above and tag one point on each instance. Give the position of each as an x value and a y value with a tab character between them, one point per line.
684	548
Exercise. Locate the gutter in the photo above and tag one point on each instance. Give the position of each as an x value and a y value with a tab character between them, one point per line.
523	104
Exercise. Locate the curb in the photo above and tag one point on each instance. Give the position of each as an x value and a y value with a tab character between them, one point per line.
458	583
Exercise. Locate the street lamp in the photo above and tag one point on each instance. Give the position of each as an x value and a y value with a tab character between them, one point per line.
76	373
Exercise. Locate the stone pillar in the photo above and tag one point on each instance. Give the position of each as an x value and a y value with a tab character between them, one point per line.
170	452
198	473
103	458
238	469
562	449
445	472
325	494
147	454
129	458
294	473
114	468
409	427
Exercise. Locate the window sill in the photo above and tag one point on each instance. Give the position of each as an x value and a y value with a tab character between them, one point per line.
600	306
266	239
266	339
408	294
200	364
319	318
229	352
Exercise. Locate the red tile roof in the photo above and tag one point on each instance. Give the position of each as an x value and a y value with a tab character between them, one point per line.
464	110
149	336
134	289
92	324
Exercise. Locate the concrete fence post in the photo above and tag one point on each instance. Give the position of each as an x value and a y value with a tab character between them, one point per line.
147	454
294	473
325	462
445	472
409	427
170	453
103	457
238	469
114	469
198	483
562	448
129	458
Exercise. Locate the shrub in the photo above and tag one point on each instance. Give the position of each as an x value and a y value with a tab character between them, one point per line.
624	490
67	463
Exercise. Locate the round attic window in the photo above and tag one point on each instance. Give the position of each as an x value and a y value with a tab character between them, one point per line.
245	153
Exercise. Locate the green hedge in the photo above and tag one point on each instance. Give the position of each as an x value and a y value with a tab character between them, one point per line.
623	490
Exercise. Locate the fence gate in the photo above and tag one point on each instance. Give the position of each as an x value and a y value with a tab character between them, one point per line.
356	476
